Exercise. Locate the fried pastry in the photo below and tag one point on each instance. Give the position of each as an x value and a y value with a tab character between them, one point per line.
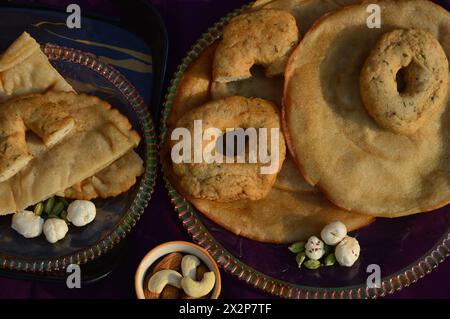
100	136
263	37
418	60
114	180
51	124
225	181
24	69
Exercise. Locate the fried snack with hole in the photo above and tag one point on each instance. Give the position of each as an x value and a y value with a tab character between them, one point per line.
232	181
263	37
415	57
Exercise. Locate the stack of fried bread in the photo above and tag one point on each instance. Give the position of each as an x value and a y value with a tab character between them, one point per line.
311	62
54	141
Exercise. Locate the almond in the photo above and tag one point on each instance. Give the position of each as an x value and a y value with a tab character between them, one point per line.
201	271
171	261
170	292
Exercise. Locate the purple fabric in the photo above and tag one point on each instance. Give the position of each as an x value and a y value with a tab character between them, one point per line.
185	20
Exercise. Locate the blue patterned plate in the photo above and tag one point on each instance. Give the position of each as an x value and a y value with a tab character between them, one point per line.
115	216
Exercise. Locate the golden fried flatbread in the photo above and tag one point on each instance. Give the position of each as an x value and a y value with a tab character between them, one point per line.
111	181
280	217
289	178
305	12
114	180
101	135
338	146
24	69
258	85
283	216
193	90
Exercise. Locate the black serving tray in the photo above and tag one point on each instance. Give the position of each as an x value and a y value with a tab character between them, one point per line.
140	26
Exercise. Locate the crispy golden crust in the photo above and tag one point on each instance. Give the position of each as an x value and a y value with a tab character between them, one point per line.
305	12
192	91
194	86
112	181
263	37
231	181
100	136
289	178
24	69
341	149
51	124
424	69
258	85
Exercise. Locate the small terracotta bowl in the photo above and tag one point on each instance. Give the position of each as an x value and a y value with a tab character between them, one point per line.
170	247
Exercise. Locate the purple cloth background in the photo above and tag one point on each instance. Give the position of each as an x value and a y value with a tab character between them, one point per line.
186	20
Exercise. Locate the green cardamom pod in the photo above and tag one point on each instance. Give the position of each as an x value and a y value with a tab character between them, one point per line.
49	203
329	260
300	258
312	264
297	247
38	209
327	249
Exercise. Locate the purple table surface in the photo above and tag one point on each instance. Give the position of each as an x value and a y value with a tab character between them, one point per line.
186	20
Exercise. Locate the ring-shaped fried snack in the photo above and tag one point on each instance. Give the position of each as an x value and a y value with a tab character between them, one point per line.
404	81
265	37
231	180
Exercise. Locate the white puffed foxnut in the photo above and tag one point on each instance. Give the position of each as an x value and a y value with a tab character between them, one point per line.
333	233
314	248
347	251
27	224
55	229
81	212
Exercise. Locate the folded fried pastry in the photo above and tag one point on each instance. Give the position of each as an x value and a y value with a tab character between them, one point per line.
100	136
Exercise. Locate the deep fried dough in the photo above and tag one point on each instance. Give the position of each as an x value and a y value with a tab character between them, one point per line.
114	180
263	37
100	136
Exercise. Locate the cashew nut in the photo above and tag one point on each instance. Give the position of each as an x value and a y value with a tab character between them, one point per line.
189	265
197	289
162	278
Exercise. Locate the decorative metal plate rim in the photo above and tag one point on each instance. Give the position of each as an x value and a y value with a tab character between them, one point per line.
146	187
230	264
